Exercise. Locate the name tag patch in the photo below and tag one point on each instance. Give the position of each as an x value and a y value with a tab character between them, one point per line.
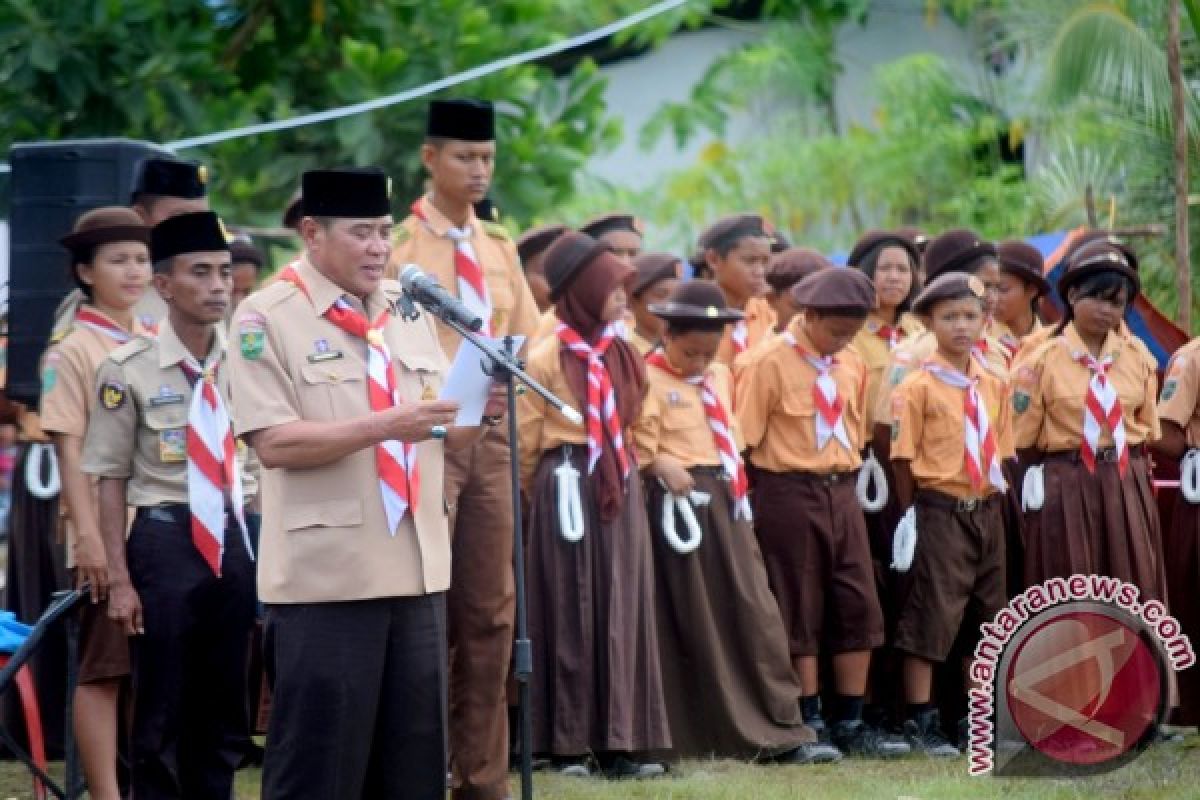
166	396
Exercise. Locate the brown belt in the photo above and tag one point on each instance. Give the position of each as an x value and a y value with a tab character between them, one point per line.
819	478
965	505
1105	455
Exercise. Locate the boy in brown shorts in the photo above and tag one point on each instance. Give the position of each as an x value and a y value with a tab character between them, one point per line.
802	420
951	429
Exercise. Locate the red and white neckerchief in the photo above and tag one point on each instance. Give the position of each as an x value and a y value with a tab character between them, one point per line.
94	320
739	334
890	334
602	416
396	462
1102	407
980	453
718	422
831	423
472	288
212	467
1011	345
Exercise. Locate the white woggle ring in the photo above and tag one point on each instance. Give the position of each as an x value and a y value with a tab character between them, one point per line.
39	453
1033	489
872	471
1189	477
570	503
904	542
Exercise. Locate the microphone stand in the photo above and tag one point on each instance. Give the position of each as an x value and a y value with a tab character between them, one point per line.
504	367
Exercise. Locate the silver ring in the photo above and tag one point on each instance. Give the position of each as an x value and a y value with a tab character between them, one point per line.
438	431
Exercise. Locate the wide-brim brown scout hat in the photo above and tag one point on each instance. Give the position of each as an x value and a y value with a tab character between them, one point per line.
696	301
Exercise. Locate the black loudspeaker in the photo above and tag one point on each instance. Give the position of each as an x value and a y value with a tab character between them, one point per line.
52	184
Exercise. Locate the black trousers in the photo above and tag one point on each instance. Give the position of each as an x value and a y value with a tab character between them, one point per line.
190	721
358	710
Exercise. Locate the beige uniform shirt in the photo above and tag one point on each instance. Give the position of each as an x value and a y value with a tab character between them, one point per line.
69	396
674	423
138	427
1180	399
876	352
424	243
539	426
324	535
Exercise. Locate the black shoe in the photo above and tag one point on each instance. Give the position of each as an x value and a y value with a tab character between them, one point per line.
810	753
817	723
576	768
624	768
924	735
855	738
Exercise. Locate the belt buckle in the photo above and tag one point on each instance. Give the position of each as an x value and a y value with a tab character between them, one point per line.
1108	455
968	504
833	478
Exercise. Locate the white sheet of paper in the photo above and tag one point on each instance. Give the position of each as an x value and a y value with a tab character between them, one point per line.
468	384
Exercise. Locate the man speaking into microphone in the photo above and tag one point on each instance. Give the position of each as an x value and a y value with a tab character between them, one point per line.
477	262
336	389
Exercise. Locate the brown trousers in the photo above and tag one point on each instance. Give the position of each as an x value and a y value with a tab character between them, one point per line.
480	608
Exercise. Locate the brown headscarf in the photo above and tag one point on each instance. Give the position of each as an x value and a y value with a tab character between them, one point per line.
580	307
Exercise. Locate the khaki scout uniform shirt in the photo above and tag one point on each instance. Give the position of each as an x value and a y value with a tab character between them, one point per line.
928	427
324	535
425	244
911	353
760	322
547	322
138	427
69	396
539	426
674	423
1050	390
1181	392
778	413
876	353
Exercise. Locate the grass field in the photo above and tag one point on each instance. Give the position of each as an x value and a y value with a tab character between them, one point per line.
1170	771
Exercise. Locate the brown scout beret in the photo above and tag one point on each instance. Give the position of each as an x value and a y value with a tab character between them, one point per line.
954	250
726	232
654	267
1025	261
700	302
1098	256
1097	235
536	240
607	223
792	266
103	225
567	256
836	289
872	241
948	286
918	237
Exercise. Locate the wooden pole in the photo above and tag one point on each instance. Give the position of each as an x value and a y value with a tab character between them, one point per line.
1183	265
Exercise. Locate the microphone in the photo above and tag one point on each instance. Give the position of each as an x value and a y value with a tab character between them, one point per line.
436	300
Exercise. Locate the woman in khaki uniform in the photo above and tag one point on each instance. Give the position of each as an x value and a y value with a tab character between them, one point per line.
657	276
596	685
111	264
1099	515
735	251
720	634
1020	286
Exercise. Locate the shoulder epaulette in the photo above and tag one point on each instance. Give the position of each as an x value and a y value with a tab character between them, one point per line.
273	294
130	349
497	231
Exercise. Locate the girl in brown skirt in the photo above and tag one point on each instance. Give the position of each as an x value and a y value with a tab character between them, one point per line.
1179	410
730	687
1085	409
596	688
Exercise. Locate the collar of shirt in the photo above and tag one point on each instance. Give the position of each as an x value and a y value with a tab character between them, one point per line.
171	351
796	329
324	292
437	221
975	370
1112	343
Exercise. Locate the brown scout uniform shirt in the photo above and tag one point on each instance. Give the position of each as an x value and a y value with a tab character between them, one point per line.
928	427
1050	389
778	414
69	396
674	423
138	427
876	353
1181	392
324	536
426	245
